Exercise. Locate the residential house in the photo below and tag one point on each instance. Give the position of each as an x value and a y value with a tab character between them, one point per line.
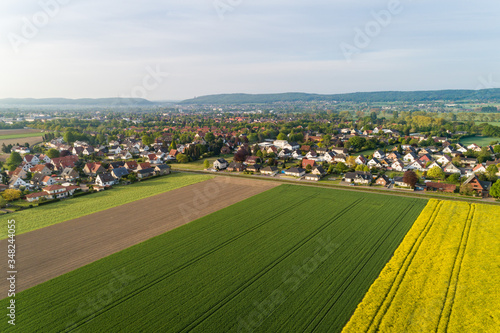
145	173
361	160
306	162
269	170
383	180
432	165
254	168
416	165
443	160
235	166
143	165
379	154
119	173
359	177
16	182
162	169
31	159
425	158
319	171
42	158
480	187
292	146
41	168
220	164
116	165
339	150
449	150
70	174
295	172
131	165
374	163
410	157
60	163
451	168
440	187
312	177
285	153
18	172
330	157
252	160
393	156
93	168
397	166
474	147
400	182
479	169
311	155
105	179
472	162
340	158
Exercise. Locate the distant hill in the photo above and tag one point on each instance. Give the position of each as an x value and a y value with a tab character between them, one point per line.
77	102
380	96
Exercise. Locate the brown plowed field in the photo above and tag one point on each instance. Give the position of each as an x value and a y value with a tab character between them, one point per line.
52	251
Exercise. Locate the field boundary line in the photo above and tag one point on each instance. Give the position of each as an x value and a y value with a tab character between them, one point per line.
360	267
397	193
445	314
403	269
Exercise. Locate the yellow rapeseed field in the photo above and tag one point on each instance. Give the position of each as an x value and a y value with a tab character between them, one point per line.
444	277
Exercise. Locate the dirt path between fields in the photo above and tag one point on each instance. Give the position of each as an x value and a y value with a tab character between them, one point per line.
46	253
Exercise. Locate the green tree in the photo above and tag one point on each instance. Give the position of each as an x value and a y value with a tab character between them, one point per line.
173	145
147	140
3	202
206	164
341	167
69	137
14	159
454	178
11	194
495	189
53	153
282	136
436	173
491	172
182	158
132	177
209	137
410	178
357	142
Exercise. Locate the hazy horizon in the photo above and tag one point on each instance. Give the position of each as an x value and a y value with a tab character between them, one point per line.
177	50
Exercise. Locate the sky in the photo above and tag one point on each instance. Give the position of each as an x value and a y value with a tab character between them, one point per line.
173	50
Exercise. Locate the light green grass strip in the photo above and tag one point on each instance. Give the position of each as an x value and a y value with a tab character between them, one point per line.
20	136
43	216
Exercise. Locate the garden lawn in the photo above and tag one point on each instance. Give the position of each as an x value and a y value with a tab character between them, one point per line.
45	215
